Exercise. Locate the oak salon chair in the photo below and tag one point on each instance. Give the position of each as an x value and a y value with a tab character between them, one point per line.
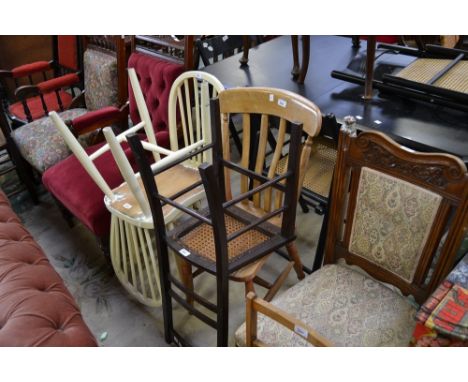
234	236
389	211
69	182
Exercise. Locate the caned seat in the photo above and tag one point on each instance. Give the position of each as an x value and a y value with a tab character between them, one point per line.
234	235
390	210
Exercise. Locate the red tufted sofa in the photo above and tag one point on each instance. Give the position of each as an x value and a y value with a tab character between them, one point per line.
36	308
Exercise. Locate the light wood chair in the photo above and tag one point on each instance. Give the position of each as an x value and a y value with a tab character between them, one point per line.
131	248
233	237
396	217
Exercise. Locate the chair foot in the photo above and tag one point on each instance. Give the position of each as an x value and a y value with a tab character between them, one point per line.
303	204
294	256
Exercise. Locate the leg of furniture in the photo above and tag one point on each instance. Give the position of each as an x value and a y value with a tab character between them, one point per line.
369	67
295	48
246	47
305	59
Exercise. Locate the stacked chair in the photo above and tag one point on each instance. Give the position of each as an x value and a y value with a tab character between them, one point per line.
131	248
396	220
235	234
69	182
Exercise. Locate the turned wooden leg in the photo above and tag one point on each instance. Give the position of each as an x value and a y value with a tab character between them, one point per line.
246	47
185	273
294	255
249	287
370	58
295	46
305	59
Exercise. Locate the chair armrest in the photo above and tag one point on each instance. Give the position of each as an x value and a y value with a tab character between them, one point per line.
28	69
256	305
97	119
27	91
58	83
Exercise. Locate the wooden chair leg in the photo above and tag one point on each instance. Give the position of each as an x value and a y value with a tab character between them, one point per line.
249	286
294	255
278	282
185	273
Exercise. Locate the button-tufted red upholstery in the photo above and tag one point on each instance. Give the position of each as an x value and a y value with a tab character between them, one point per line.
36	308
156	78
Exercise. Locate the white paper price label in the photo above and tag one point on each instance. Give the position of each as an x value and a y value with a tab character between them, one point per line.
301	331
282	102
184	252
272	97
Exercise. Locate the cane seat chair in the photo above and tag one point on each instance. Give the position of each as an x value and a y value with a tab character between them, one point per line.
232	236
389	212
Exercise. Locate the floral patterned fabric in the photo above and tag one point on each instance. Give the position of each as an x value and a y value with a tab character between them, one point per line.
392	222
100	79
41	144
345	306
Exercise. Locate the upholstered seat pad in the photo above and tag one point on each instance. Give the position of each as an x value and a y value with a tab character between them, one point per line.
35	105
41	144
69	182
343	305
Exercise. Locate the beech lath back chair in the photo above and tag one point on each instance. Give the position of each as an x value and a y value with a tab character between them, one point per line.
396	214
233	235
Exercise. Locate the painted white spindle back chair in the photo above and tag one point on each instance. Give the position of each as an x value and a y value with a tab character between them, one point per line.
131	248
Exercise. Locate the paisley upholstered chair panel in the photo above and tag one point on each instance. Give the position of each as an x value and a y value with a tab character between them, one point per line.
396	221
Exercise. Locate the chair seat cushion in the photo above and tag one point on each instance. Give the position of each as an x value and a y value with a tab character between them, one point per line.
41	144
36	108
69	182
343	305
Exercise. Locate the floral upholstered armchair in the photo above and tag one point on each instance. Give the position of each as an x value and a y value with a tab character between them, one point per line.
99	105
390	210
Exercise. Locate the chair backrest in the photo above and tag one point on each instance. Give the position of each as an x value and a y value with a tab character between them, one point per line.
390	209
269	103
189	110
213	49
155	77
105	75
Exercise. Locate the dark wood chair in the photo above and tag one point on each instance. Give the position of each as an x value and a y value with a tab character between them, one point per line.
397	218
234	235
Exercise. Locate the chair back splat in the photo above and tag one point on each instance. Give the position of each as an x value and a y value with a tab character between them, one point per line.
392	207
226	236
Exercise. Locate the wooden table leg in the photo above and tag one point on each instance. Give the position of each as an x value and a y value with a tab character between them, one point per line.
305	59
369	67
246	47
295	48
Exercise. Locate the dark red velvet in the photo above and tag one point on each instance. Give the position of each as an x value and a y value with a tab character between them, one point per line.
34	67
35	105
92	117
69	182
67	51
156	78
58	83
